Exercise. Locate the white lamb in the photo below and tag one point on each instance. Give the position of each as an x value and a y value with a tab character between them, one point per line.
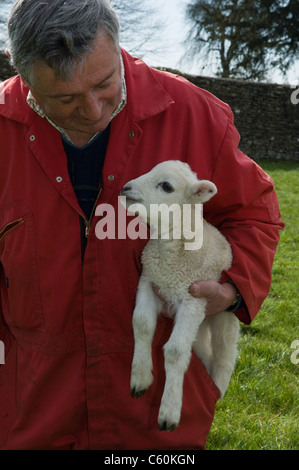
168	265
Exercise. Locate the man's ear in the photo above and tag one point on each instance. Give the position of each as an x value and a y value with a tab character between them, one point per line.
203	190
24	82
8	54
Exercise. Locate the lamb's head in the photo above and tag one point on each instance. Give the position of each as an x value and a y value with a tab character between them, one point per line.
169	182
160	198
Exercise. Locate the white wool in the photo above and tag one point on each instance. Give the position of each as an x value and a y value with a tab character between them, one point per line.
168	265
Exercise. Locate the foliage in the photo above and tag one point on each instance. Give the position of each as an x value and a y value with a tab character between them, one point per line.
4	12
260	409
248	37
140	26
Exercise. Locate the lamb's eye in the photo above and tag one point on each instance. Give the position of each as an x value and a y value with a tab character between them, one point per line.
167	187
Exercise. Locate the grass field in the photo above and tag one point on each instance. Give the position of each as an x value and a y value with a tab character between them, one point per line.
260	408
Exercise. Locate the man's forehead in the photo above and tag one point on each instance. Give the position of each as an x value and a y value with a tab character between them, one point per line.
47	82
98	65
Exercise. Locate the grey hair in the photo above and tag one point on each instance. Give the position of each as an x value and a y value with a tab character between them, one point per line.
58	33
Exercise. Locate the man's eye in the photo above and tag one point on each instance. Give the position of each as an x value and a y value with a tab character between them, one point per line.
103	85
66	100
166	186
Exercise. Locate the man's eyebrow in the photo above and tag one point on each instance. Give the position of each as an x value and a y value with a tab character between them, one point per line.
61	95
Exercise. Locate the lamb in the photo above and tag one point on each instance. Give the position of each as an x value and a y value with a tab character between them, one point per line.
167	264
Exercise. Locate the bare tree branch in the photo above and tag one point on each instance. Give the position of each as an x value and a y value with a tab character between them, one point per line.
250	37
140	26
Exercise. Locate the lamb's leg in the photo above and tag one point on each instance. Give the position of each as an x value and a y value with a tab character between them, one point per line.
148	305
202	345
177	353
225	335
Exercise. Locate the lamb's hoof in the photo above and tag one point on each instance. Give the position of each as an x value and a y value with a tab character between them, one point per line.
165	426
137	393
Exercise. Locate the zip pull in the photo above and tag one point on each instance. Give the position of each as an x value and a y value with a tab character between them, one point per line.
88	222
10	226
87	228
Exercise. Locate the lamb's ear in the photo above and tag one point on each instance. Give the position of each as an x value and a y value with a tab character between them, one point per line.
203	190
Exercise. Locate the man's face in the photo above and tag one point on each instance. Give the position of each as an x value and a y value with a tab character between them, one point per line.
85	103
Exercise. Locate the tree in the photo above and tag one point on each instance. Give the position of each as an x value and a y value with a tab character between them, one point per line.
139	24
248	37
4	12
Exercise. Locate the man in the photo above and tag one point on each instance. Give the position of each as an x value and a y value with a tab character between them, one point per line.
80	120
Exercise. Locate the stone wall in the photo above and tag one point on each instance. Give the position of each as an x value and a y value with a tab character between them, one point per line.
265	117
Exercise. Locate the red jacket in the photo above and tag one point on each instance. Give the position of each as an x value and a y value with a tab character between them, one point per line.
67	325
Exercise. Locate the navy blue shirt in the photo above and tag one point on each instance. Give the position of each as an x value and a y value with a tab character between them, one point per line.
85	166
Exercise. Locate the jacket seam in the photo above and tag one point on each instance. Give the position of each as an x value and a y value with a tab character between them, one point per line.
221	146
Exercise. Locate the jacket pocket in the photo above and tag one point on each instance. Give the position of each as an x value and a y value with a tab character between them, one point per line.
10	226
20	293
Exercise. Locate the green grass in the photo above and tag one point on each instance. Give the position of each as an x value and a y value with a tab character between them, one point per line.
260	408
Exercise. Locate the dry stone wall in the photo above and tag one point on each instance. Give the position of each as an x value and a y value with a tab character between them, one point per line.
266	115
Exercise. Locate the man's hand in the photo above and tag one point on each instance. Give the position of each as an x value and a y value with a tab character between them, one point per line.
219	296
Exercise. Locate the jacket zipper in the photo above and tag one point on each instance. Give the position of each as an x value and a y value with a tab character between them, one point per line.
10	226
88	221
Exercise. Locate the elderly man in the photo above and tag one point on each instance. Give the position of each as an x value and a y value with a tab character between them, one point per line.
79	120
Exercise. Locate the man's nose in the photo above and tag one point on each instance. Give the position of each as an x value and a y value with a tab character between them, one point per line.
91	107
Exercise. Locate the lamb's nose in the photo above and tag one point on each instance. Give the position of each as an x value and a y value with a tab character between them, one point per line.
125	189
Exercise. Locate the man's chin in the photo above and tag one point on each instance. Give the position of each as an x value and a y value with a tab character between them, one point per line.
91	128
86	129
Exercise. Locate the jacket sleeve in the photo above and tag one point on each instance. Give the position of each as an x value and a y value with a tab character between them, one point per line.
246	211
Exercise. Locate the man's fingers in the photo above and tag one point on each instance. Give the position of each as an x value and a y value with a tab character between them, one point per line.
158	293
204	288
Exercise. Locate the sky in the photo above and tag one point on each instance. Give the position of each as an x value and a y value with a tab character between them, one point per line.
167	49
170	47
175	32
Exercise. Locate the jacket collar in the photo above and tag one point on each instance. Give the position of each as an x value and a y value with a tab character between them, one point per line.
146	95
141	103
14	102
